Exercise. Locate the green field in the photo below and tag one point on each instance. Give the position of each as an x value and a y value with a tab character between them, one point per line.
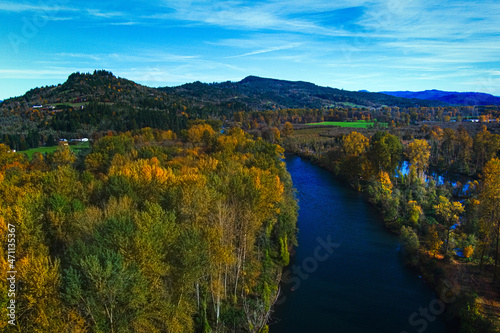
351	124
43	150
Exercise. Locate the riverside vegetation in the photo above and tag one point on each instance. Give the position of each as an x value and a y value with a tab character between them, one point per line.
449	232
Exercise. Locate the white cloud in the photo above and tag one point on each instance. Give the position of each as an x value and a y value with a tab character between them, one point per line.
99	13
124	23
24	7
34	73
248	15
267	50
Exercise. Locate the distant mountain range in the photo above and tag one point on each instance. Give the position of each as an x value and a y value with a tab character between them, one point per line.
453	98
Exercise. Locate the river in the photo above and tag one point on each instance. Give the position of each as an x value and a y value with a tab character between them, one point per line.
347	274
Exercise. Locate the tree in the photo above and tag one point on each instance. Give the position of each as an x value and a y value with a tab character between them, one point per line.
354	164
489	198
418	152
62	156
287	129
107	289
414	212
385	151
410	244
197	132
433	241
355	144
464	145
50	141
449	212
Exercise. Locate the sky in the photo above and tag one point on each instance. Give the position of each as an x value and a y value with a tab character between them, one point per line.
354	45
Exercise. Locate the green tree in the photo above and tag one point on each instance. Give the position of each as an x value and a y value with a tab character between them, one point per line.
385	151
449	213
411	244
418	152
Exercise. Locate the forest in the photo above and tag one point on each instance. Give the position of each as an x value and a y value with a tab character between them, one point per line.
147	233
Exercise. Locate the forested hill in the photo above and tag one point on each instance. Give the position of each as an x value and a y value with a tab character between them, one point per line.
101	86
453	98
256	93
86	103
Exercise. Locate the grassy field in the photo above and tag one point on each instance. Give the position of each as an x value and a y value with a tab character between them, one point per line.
43	150
358	124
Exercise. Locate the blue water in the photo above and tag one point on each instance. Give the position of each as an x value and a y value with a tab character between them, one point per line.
357	283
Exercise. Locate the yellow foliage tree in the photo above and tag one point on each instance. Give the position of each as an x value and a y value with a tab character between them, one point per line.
385	182
433	241
287	129
414	212
418	152
489	198
355	144
197	132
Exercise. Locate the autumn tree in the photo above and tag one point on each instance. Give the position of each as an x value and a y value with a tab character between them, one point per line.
433	240
355	144
414	213
287	129
199	133
489	198
418	152
62	156
449	213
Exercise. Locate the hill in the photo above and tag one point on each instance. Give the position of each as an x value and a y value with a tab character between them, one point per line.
91	102
82	88
453	98
256	93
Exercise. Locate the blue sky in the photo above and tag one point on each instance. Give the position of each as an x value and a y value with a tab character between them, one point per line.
373	45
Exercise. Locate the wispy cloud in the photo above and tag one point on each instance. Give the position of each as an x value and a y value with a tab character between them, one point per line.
124	23
25	7
101	14
33	73
267	50
273	15
143	56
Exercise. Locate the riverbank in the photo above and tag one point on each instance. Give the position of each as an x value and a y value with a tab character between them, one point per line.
475	300
346	274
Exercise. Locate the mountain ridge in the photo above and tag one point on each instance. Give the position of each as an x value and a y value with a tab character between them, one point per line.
451	97
259	93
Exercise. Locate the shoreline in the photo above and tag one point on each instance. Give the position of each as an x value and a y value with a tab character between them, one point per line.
438	273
